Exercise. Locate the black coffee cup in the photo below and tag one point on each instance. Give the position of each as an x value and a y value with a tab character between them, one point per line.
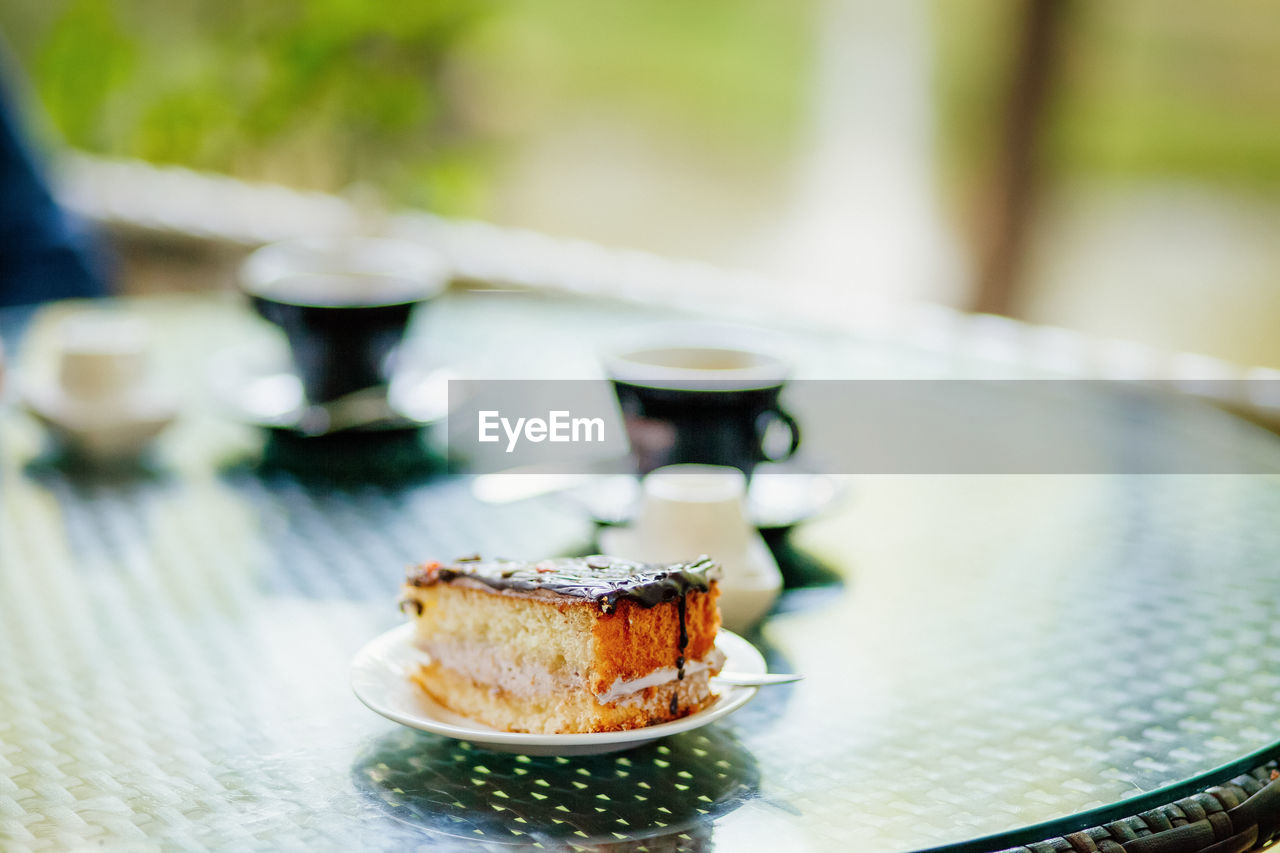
343	305
710	405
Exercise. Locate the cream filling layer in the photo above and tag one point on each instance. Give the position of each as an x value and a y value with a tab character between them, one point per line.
624	687
486	664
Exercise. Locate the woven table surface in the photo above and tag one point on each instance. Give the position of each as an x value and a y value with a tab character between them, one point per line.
1003	652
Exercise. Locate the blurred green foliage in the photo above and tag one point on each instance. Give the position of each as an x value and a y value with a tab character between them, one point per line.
316	93
424	100
1146	89
726	73
417	99
1172	88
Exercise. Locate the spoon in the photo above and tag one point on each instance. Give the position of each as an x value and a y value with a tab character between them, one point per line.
763	679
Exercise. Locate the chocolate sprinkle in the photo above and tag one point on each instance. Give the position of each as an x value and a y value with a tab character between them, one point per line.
407	603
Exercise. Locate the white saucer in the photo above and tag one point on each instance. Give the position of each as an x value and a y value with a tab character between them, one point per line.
118	432
379	677
778	497
256	385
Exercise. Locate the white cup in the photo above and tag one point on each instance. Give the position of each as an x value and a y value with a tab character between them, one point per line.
101	404
690	510
102	359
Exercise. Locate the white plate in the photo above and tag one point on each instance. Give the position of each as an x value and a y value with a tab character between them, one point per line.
380	678
779	496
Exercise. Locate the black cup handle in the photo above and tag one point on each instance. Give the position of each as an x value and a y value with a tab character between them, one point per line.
762	424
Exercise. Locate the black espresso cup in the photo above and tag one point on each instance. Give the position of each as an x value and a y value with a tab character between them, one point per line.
710	405
343	305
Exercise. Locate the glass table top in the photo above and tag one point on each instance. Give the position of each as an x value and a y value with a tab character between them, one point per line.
999	652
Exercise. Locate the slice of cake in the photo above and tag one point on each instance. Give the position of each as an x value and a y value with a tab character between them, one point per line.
583	644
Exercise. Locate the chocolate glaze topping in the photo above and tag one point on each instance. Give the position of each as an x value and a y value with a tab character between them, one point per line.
603	580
